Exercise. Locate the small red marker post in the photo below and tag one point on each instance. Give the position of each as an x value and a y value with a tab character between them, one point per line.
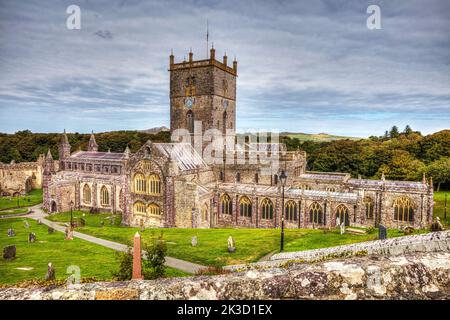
137	267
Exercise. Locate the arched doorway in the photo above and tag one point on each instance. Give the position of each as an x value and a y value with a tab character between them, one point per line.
53	207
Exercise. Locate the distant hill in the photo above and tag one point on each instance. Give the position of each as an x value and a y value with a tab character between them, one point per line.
317	137
156	130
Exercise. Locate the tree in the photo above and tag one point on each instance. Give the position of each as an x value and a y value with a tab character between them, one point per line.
402	166
394	132
407	130
439	170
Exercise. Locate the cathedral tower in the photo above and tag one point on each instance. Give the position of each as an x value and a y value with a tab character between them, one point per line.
92	145
64	147
203	90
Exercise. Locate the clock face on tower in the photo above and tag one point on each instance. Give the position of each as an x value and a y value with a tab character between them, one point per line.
188	102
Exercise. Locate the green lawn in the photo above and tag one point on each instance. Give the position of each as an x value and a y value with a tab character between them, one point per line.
13	211
251	244
93	260
34	197
439	198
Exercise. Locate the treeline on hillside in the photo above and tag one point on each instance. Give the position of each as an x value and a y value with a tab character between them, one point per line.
26	146
402	155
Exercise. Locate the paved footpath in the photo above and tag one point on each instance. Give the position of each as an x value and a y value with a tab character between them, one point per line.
38	214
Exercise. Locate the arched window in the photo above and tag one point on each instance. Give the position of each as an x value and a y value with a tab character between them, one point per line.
140	185
226	204
86	194
140	208
238	177
224	122
275	179
205	212
245	207
104	196
403	210
154	185
266	209
342	214
221	176
190	121
316	213
290	211
153	209
368	204
256	178
331	189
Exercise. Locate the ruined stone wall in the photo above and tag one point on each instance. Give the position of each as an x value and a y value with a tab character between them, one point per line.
418	276
19	178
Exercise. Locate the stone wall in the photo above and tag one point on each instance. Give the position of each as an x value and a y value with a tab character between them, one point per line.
418	276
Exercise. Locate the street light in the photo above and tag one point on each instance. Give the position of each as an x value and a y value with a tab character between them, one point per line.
283	178
71	215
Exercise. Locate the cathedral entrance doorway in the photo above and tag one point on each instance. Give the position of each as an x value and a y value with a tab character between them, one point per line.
53	207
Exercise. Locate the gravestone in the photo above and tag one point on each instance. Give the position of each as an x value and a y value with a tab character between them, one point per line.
69	233
437	225
231	245
11	233
342	227
382	232
26	224
31	237
50	230
194	241
9	252
50	272
39	221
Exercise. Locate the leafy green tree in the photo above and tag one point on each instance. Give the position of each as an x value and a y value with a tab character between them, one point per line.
407	130
402	166
394	132
439	170
155	258
125	270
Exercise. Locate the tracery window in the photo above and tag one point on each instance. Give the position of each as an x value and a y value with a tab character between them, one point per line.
315	213
140	208
104	196
140	185
226	204
205	212
290	211
86	194
154	185
368	204
266	209
342	214
403	210
153	209
245	207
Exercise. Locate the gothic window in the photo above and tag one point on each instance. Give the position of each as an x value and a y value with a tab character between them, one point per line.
140	208
403	210
225	86
226	204
238	177
86	194
245	207
329	189
221	176
104	196
368	204
224	122
306	187
316	213
153	209
190	121
256	178
266	209
342	214
290	211
275	179
140	185
205	212
154	185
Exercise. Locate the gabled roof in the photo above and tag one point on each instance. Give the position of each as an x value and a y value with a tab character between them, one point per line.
95	155
183	154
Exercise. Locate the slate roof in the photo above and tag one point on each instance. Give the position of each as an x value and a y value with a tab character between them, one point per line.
408	185
184	154
95	155
324	176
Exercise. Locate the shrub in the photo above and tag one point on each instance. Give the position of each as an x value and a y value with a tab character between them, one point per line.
125	260
155	258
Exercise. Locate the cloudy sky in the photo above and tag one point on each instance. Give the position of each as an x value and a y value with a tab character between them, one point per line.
304	66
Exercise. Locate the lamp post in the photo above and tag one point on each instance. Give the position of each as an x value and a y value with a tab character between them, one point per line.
283	178
71	214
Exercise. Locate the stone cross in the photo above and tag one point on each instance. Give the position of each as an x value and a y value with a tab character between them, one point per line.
11	233
31	237
50	272
342	227
194	241
382	232
137	266
231	245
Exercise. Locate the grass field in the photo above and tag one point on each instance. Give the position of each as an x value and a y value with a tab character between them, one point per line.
13	211
439	199
320	137
251	244
93	260
34	197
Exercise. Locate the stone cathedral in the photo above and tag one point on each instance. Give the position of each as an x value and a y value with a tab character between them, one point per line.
173	185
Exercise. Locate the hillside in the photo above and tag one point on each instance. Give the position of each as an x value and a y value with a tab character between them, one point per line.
316	137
